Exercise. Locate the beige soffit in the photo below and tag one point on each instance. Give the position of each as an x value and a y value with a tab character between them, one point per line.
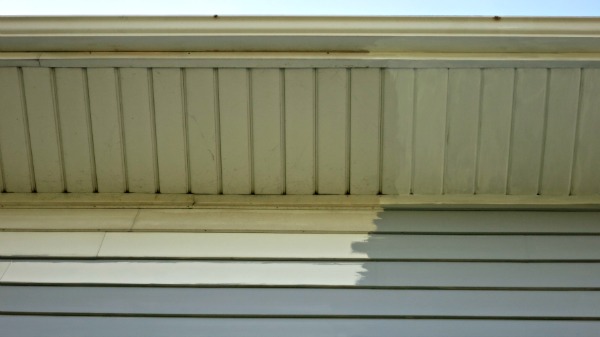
305	105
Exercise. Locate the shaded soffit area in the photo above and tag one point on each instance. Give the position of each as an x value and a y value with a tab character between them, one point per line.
300	105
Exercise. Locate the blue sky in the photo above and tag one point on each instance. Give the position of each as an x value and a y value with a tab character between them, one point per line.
302	7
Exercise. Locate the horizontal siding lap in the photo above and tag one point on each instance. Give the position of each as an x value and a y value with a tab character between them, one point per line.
376	284
14	326
401	275
349	246
281	246
298	302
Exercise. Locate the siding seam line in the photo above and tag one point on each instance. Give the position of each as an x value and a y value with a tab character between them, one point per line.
446	134
217	112
479	125
6	270
507	189
119	97
573	177
186	133
414	131
544	132
250	117
88	119
381	130
348	149
282	129
26	130
153	135
59	141
315	131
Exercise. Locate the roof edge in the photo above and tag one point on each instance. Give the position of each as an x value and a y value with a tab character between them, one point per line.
364	34
302	25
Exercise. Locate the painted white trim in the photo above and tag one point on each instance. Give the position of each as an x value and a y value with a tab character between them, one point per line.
298	221
297	60
141	200
298	25
362	34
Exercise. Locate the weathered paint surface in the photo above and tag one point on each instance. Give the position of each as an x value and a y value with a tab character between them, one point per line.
469	267
364	131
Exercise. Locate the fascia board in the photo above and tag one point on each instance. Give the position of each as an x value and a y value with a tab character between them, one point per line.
297	34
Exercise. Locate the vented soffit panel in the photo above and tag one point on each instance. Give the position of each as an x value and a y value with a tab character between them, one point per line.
411	106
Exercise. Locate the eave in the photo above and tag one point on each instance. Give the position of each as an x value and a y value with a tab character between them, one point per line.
444	83
301	34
